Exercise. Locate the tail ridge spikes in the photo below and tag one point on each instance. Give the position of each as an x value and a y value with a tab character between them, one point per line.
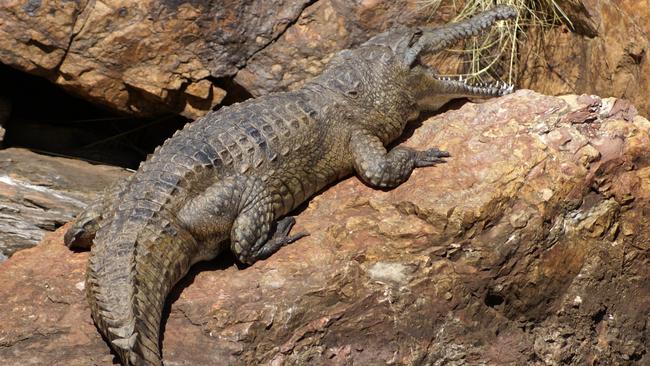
125	344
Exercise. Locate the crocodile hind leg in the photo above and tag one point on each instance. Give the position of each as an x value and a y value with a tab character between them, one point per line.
252	242
238	208
82	232
256	233
279	238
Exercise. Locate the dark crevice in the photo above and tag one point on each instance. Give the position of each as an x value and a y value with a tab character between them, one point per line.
41	46
235	93
46	119
493	300
599	315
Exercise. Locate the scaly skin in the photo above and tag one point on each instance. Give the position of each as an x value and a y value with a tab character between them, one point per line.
227	178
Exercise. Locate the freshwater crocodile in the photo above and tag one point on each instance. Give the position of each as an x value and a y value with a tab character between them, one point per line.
228	179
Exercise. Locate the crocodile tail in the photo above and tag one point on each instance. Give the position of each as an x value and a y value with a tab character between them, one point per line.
134	264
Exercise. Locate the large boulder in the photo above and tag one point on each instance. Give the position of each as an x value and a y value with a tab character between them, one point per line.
529	246
39	193
139	56
149	57
153	57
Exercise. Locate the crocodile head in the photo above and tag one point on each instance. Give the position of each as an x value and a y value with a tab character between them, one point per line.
430	89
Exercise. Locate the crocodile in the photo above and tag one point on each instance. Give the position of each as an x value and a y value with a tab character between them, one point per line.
229	179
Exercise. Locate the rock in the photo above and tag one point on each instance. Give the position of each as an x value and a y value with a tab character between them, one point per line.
40	193
476	261
139	57
170	56
606	54
323	29
158	57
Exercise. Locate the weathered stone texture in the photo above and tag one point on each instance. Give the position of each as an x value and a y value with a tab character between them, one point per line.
140	56
40	193
323	29
530	246
149	57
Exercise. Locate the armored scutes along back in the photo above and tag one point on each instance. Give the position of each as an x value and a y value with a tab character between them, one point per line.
374	82
228	179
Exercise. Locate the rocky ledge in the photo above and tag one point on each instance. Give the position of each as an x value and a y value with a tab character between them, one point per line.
40	193
528	247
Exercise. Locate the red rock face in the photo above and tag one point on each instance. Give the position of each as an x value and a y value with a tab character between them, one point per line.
149	57
530	246
139	56
323	29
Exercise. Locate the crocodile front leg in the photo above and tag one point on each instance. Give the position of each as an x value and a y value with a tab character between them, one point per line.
386	169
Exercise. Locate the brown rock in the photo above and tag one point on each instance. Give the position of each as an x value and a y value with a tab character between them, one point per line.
606	54
40	193
151	57
323	29
528	247
139	56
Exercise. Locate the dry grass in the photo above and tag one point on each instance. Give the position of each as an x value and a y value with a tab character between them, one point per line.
494	55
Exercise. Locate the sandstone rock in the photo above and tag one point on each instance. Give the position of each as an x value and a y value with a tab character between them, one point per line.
529	246
606	54
140	56
151	56
40	193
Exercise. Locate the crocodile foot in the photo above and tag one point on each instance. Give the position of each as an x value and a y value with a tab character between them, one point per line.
279	238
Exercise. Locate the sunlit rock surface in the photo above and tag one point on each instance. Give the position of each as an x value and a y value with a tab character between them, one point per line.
529	246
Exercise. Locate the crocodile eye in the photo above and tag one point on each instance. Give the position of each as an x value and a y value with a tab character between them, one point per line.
353	93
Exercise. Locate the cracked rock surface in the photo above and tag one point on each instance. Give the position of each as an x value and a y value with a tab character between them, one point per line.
40	193
150	57
529	246
324	28
140	56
